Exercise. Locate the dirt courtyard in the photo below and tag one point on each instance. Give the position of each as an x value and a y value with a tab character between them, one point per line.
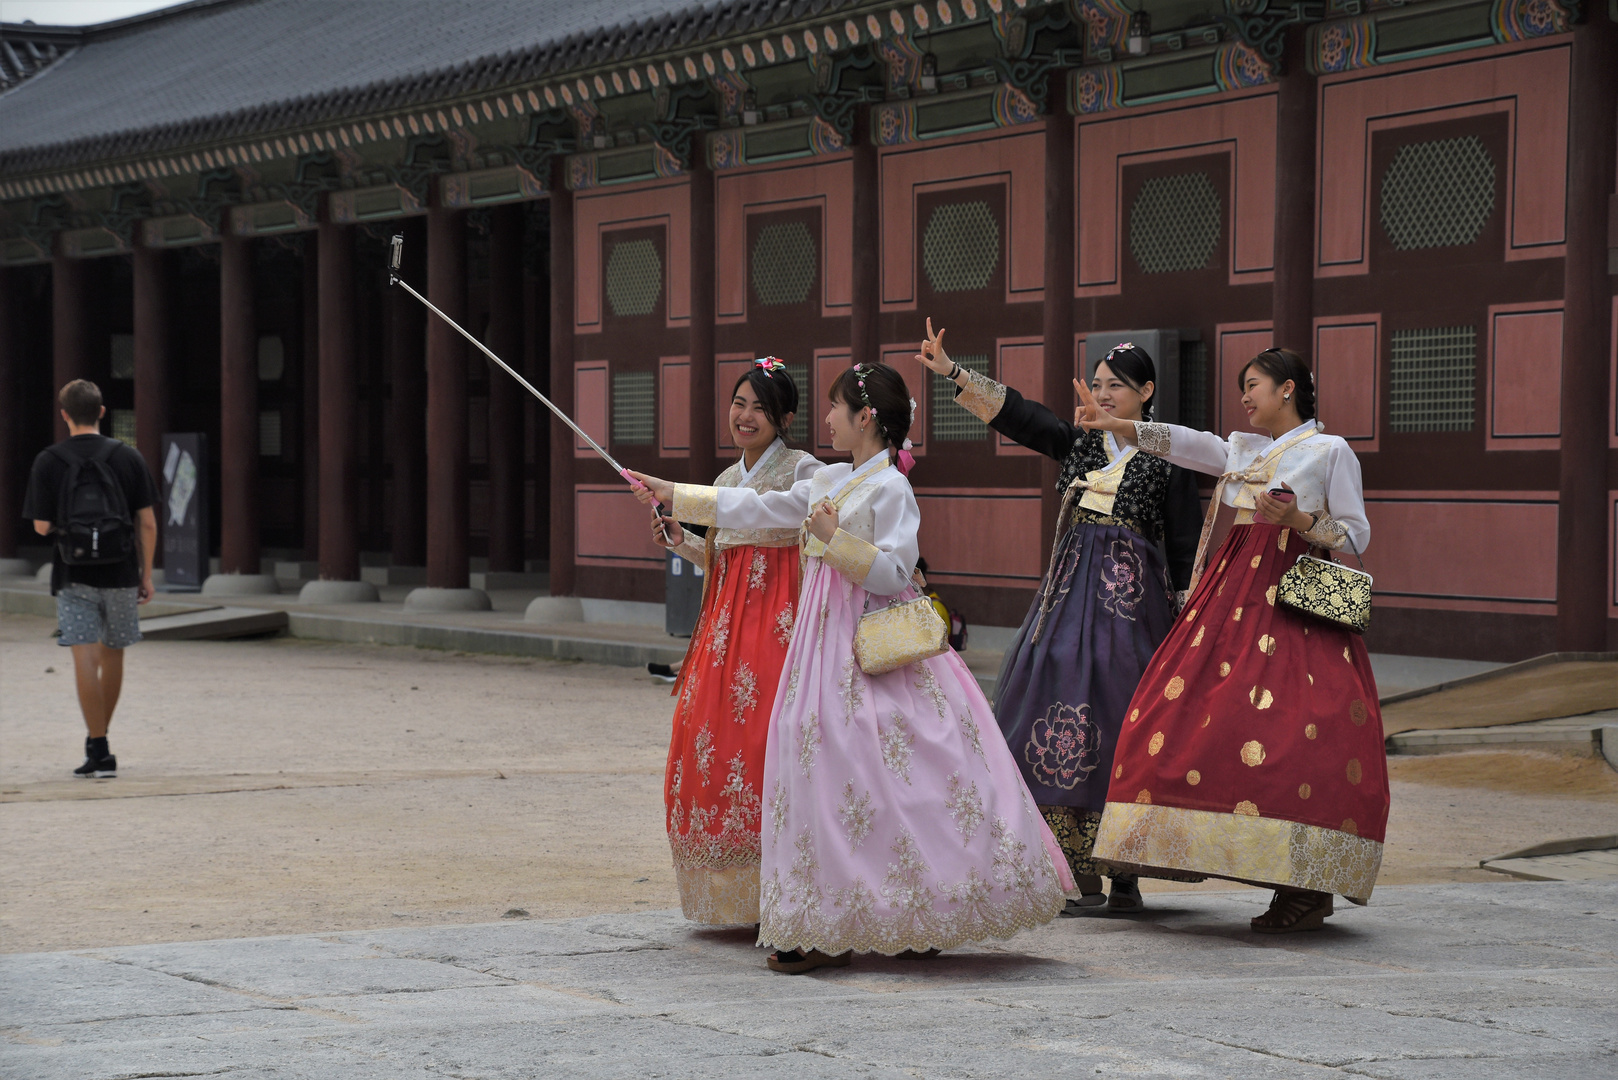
281	786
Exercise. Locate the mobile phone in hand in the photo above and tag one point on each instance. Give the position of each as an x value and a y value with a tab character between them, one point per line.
1281	495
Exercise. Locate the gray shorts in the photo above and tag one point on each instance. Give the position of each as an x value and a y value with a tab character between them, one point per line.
87	615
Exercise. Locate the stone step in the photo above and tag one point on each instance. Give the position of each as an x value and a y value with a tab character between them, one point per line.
214	624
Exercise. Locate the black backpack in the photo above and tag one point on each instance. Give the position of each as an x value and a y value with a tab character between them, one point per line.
93	524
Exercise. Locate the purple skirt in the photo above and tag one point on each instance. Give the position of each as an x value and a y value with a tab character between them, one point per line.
1061	699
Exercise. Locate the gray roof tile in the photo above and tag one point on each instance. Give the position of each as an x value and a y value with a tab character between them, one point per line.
212	70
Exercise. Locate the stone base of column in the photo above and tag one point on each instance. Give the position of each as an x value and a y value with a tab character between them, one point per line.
394	575
240	585
430	599
338	592
294	572
16	568
489	580
554	609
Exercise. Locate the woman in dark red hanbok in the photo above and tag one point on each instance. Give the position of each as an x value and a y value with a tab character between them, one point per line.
1253	747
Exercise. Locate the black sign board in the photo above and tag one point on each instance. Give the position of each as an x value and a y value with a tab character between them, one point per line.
184	511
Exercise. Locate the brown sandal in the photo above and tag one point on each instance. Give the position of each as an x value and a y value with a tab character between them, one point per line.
789	962
1292	910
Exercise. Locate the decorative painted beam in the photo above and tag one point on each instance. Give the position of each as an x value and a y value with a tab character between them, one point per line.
1263	24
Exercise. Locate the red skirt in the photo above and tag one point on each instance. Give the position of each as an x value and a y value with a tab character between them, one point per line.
1253	747
712	787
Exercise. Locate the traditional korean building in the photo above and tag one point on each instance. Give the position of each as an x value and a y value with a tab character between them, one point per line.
631	201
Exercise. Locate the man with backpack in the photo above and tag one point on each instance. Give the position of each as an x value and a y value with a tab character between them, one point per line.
93	496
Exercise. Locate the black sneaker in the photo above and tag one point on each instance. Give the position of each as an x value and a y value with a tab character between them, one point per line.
99	762
661	671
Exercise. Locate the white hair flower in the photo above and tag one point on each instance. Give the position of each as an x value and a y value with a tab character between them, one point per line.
912	410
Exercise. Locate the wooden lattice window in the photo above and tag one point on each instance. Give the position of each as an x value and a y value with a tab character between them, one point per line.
960	248
634	408
1438	193
1434	376
634	278
1174	223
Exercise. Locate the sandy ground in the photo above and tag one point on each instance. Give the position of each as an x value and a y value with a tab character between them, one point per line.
279	786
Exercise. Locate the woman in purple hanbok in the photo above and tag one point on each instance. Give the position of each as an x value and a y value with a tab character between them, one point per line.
893	822
1106	604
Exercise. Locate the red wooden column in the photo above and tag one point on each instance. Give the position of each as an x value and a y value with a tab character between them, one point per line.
151	270
1057	328
238	410
408	362
309	427
506	397
563	507
703	429
11	476
338	470
1292	295
864	342
537	418
70	328
1582	569
446	402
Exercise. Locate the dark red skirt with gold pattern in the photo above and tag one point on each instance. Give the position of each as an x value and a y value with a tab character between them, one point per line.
1253	748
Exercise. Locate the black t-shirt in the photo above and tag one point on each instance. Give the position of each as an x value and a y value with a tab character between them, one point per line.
45	484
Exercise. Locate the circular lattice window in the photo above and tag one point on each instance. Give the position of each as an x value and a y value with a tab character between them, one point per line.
783	263
961	247
1174	224
634	278
1438	194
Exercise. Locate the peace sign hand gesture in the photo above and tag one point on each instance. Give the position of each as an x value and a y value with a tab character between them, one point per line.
932	351
1092	417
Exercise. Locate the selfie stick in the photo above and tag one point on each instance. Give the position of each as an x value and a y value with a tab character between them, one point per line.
395	279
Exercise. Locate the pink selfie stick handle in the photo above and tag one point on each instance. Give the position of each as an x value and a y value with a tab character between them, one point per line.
637	485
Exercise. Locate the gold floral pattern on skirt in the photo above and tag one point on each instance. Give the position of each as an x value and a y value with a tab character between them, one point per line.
1075	832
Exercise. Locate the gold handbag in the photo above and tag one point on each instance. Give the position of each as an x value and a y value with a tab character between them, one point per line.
901	633
1328	590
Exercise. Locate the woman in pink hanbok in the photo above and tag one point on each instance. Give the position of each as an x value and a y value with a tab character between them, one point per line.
892	824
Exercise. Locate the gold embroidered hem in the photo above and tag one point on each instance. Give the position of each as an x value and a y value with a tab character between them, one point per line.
853	925
1144	838
981	396
1075	831
850	556
696	504
1152	438
722	897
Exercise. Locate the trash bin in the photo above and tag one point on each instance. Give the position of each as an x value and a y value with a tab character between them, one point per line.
682	594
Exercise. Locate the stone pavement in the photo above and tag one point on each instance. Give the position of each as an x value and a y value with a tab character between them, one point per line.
1429	982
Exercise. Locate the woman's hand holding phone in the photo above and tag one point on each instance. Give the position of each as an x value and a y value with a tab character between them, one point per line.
1278	507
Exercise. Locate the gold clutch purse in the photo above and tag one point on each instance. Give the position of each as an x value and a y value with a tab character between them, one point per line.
1328	590
902	633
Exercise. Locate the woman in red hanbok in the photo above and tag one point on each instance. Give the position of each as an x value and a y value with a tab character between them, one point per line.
727	682
1253	747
